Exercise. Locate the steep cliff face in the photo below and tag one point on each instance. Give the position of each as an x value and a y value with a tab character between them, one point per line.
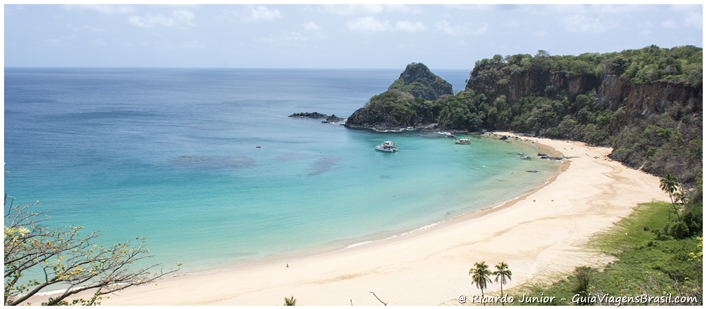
611	91
649	98
529	82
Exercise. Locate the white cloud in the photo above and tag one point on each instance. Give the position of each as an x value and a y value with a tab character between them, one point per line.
403	8
645	27
184	17
353	9
263	13
84	27
687	7
479	7
296	37
98	42
482	29
670	24
104	9
367	9
311	26
285	39
368	24
446	27
694	19
586	24
541	33
614	9
598	9
180	18
410	26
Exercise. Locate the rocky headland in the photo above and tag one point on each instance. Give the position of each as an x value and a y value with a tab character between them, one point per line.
406	105
646	104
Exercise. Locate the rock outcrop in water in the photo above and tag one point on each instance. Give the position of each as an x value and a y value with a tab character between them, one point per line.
315	115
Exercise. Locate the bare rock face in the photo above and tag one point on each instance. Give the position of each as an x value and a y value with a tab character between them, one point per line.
532	81
612	91
648	98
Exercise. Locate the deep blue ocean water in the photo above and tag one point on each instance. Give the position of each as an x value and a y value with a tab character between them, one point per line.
171	154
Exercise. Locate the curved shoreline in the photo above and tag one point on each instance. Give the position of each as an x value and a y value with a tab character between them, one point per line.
429	266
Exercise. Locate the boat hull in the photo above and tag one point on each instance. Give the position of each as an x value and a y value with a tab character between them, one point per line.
385	150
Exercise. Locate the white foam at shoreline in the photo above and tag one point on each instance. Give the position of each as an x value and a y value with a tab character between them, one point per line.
358	244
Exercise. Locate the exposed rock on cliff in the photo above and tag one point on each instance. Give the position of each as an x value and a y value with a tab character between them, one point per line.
611	91
647	98
493	81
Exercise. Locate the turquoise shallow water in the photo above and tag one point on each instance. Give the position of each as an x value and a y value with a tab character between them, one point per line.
171	154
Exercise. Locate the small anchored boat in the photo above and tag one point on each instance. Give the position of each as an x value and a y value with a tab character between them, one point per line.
462	141
387	146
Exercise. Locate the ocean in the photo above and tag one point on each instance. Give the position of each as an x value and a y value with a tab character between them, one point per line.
171	154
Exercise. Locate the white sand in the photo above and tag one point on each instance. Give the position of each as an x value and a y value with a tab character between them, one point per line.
539	234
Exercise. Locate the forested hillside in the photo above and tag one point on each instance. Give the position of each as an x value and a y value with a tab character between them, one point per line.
646	103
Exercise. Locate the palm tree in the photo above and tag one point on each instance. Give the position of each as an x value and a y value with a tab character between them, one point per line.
480	275
502	274
291	301
669	184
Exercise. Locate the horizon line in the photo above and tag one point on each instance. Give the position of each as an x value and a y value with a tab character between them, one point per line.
215	68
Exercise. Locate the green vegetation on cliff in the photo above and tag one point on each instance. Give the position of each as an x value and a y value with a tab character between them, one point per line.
399	108
646	103
411	101
650	64
420	82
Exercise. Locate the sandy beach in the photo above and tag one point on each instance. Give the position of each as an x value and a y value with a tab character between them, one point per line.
539	234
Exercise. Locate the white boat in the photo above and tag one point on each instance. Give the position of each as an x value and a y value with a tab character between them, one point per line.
463	141
387	146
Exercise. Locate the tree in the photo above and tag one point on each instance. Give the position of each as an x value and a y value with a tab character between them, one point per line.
502	274
65	260
480	275
290	301
669	184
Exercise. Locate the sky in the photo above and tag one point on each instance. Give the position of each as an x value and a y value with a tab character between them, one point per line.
366	36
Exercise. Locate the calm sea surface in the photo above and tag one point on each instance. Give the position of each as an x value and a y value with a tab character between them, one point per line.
171	154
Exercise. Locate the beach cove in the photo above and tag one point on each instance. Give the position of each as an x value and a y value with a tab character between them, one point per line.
538	234
206	165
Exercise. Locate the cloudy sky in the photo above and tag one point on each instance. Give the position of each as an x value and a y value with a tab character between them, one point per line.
330	36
